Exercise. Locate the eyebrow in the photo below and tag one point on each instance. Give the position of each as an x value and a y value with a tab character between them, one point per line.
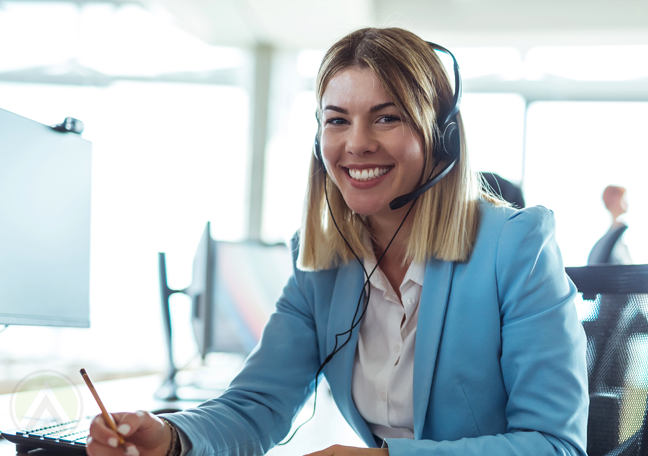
373	108
381	106
335	108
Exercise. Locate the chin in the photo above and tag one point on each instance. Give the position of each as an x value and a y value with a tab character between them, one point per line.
366	209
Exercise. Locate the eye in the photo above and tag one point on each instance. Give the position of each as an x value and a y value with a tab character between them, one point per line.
335	121
389	119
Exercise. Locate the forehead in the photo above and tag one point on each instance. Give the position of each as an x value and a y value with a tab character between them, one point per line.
354	87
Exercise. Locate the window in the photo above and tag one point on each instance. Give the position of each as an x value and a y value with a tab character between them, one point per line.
494	124
573	151
168	119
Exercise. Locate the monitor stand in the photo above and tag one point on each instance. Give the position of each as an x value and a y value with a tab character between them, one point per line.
168	391
199	383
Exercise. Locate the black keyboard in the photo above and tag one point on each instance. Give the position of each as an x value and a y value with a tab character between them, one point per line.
68	437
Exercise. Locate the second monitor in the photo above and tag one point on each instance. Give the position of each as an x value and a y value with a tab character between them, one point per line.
233	292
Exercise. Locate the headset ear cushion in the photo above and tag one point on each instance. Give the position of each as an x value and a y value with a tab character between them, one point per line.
316	148
450	140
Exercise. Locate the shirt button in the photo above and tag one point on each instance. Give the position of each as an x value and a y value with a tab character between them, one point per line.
383	396
410	301
397	348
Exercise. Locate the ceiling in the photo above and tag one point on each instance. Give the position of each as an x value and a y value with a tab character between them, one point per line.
316	24
308	24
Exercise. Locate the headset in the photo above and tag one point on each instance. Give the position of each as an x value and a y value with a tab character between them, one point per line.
448	146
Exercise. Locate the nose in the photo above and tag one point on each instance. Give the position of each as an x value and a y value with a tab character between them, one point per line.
361	140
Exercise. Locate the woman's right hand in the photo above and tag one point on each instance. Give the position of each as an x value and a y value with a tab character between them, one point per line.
145	435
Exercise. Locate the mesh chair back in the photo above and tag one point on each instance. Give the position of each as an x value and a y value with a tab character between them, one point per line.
614	310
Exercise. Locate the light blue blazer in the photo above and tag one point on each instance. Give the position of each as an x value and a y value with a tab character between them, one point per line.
499	366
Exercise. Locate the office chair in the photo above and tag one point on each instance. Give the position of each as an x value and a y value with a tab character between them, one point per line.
617	357
601	253
504	188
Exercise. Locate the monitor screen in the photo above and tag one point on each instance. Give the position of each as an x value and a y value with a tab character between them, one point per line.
249	279
234	288
44	225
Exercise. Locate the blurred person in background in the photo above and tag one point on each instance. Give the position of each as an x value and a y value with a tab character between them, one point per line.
610	249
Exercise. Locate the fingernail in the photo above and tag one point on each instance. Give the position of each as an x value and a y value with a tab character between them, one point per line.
89	440
140	413
132	451
124	429
112	442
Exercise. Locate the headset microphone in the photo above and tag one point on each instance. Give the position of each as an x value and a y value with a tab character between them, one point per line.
401	201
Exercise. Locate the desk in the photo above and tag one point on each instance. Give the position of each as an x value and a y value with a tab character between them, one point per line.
325	429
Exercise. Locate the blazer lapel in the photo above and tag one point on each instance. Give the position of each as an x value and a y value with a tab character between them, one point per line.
348	286
432	309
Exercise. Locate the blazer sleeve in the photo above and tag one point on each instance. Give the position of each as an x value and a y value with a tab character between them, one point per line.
543	351
256	411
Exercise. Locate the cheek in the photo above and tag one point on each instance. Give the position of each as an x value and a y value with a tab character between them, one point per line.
334	174
330	158
413	155
328	147
407	143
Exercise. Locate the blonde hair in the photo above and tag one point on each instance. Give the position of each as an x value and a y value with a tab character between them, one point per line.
445	217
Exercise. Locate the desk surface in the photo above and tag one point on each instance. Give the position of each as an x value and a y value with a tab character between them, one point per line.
325	429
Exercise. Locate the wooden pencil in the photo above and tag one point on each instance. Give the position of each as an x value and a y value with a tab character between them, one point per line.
107	416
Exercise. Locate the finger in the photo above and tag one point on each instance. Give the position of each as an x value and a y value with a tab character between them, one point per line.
102	434
94	448
129	423
325	452
130	450
112	446
141	428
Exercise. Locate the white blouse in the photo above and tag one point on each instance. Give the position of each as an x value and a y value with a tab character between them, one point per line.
383	369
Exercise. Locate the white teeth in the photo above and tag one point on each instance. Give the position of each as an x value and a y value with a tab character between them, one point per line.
367	174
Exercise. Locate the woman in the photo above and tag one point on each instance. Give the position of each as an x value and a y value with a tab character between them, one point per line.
468	342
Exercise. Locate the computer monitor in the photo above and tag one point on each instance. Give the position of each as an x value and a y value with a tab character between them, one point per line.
44	225
233	292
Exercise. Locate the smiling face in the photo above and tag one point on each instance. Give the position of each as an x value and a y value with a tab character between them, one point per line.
370	152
